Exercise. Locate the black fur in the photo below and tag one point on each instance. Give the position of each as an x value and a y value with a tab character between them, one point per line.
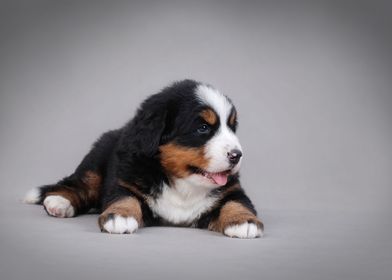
131	154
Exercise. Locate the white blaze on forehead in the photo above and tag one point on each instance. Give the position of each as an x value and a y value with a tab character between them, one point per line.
215	100
224	140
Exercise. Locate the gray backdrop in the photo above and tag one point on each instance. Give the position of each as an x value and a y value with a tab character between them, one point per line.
311	81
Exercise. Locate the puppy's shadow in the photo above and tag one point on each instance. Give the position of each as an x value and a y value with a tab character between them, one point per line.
88	222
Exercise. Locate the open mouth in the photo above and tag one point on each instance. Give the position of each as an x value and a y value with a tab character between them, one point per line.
218	178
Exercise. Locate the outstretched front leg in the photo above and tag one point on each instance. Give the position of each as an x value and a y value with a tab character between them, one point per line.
234	216
124	215
236	220
123	209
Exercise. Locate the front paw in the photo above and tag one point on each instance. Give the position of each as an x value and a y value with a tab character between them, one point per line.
244	230
122	216
113	223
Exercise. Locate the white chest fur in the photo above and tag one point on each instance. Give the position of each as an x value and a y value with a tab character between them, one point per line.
182	203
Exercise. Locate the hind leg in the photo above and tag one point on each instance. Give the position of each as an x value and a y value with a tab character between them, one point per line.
80	192
71	196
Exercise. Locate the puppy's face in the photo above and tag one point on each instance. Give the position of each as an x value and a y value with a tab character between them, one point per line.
201	146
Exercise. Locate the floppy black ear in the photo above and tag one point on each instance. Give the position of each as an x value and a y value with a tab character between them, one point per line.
143	133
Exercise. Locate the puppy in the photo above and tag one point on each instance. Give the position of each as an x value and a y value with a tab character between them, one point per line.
175	163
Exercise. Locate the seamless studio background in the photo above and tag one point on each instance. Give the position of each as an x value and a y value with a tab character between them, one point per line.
311	81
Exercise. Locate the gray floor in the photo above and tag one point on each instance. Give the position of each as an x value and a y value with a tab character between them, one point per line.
297	244
312	84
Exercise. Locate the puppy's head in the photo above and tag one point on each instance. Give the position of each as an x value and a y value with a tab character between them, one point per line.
198	143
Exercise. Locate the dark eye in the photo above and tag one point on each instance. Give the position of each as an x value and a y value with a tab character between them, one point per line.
204	129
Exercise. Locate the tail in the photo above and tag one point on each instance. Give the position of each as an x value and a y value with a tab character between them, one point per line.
35	195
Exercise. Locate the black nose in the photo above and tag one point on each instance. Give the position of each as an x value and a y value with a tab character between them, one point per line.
234	156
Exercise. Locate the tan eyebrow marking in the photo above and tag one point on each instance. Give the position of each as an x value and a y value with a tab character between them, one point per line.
233	213
209	116
233	117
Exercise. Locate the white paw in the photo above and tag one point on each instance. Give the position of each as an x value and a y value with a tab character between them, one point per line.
245	230
32	196
58	206
119	224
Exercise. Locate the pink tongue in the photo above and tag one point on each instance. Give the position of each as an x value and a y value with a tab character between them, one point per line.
219	178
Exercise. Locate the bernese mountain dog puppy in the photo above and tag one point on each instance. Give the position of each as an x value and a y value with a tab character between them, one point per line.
175	163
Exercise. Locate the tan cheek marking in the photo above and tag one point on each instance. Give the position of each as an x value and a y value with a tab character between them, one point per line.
209	116
175	159
125	207
233	213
